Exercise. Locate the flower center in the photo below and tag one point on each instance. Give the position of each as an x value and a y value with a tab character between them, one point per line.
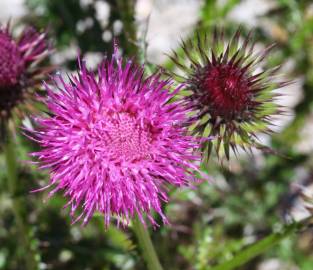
126	139
226	91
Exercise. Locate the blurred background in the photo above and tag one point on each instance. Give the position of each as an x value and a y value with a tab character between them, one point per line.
251	198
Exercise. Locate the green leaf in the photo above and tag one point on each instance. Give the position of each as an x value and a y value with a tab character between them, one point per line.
258	248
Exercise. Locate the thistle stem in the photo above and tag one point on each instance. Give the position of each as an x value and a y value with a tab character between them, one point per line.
18	204
127	11
127	16
146	245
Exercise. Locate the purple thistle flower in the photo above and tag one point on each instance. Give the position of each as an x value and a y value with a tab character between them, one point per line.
232	100
20	73
112	141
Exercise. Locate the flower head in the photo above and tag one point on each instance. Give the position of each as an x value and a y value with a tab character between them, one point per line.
19	71
231	98
113	140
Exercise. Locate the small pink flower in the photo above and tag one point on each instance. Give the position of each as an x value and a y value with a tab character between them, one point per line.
19	67
113	140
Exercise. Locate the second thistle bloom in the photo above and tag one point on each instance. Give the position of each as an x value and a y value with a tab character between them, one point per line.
113	140
20	72
231	95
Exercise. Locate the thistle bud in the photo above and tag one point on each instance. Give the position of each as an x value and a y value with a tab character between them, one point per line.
231	98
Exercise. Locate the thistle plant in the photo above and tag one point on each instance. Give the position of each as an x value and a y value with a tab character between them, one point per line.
118	143
230	90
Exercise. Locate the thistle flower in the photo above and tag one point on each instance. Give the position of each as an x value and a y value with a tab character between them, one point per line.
232	100
19	71
112	141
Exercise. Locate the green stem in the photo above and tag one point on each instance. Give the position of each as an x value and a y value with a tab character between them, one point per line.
258	248
127	11
146	245
18	204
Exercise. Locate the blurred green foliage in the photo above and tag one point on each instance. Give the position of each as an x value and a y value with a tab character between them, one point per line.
211	223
